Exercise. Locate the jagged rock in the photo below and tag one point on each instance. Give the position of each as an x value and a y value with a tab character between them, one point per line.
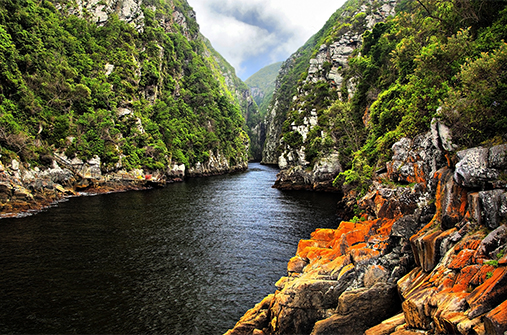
360	309
254	320
320	178
388	326
176	171
488	295
301	303
492	242
216	164
375	274
495	322
296	264
493	207
98	11
478	167
441	136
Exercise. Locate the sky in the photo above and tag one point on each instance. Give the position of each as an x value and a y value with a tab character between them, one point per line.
251	34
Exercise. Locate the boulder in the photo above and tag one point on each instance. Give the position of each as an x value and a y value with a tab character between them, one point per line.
495	322
493	207
360	309
254	320
480	167
388	326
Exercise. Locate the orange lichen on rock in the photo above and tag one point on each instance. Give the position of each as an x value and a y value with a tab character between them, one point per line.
328	248
495	322
464	278
489	294
463	259
480	277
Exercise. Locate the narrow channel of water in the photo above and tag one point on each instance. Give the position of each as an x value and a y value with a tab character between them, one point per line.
191	258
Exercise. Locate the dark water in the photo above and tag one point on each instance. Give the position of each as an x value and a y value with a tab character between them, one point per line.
191	258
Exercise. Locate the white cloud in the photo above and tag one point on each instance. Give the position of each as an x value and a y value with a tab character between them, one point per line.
260	31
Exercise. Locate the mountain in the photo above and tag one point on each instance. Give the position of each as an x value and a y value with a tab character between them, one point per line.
362	83
131	82
122	86
401	108
262	85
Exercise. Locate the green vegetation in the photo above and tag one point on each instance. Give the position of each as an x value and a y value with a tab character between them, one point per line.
263	82
434	59
160	102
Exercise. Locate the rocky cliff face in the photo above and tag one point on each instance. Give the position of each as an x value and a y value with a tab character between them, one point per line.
275	116
324	72
98	11
427	254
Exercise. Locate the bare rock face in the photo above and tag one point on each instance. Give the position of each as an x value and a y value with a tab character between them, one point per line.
99	10
320	178
438	241
481	167
360	309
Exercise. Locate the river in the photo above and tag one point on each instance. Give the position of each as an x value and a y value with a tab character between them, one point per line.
190	258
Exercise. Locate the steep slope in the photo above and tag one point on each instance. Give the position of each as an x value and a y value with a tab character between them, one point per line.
119	85
262	85
316	70
421	111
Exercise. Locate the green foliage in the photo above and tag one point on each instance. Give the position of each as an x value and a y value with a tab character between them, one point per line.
433	56
159	103
476	108
492	262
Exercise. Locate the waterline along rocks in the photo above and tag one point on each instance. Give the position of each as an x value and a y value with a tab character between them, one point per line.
124	88
401	106
428	254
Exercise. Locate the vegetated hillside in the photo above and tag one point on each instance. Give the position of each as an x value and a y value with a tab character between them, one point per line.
262	85
414	112
349	21
132	83
360	93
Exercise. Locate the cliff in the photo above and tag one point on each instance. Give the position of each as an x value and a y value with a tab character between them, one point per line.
380	71
425	254
262	86
130	87
316	70
408	121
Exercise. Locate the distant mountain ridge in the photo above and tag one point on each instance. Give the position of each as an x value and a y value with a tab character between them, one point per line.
262	85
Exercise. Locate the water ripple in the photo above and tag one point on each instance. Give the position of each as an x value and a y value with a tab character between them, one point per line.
187	259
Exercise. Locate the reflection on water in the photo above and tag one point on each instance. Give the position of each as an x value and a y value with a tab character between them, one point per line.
187	259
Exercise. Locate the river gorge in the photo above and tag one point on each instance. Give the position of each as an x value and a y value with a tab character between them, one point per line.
190	258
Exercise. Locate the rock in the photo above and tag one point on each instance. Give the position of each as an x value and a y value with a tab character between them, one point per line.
441	136
375	274
478	167
296	264
495	322
498	157
488	295
388	326
405	227
493	207
176	171
254	320
415	161
301	303
15	165
491	242
360	309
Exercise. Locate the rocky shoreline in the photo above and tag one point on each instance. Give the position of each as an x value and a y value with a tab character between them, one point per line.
426	253
25	190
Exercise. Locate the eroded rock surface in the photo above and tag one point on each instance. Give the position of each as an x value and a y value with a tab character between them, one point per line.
428	255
